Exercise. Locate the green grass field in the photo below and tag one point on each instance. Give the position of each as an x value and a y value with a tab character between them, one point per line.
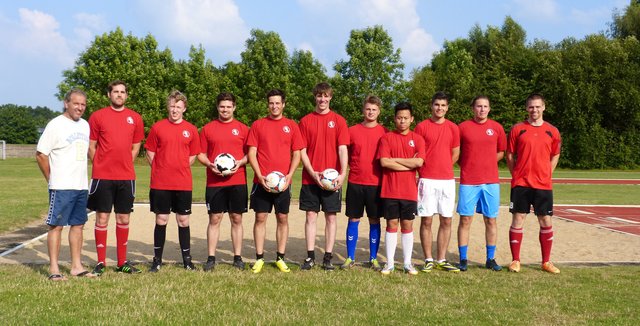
579	295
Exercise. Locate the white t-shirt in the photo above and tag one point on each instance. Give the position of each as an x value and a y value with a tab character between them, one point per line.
66	142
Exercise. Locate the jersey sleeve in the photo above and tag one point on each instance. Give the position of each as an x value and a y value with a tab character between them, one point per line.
502	138
421	147
94	126
343	131
297	142
455	135
252	137
152	140
557	142
194	146
138	134
46	141
383	148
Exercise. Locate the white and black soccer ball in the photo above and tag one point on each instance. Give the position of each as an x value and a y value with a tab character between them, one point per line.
327	179
276	181
224	162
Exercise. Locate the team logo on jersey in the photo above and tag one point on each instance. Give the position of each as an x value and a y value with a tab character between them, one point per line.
130	120
411	143
286	129
235	131
490	132
331	124
186	134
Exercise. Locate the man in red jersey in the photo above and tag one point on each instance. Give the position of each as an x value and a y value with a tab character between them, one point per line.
326	136
225	193
401	153
437	187
172	146
533	151
274	145
363	188
482	145
116	133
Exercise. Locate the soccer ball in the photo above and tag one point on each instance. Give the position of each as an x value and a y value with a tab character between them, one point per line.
327	179
224	163
276	181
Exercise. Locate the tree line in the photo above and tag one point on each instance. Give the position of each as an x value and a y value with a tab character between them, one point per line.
592	86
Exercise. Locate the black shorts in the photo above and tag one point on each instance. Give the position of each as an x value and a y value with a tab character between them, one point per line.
398	208
107	194
522	198
262	201
232	199
167	201
361	197
312	197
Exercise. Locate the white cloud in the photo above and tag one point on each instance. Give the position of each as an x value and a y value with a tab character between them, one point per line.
419	47
216	24
537	9
588	17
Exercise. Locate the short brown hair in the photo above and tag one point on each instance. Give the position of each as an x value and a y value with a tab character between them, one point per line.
534	96
372	99
225	96
177	96
323	88
116	83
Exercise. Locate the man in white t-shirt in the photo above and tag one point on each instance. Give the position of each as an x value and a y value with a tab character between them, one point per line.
62	157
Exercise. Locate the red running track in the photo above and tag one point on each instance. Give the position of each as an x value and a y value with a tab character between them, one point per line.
625	219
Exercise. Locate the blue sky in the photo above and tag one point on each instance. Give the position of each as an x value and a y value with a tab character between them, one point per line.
43	38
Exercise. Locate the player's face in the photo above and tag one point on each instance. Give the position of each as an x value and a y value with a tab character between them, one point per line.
371	112
276	107
481	110
176	110
403	120
118	96
439	108
322	101
225	110
74	109
535	108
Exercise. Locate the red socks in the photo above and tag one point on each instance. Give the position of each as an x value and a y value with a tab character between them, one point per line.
122	238
546	242
515	241
100	233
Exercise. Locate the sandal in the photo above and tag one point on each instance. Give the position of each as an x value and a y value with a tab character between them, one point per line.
57	277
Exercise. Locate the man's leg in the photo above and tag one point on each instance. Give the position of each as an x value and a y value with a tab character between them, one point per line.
237	233
259	231
213	233
310	233
443	238
75	246
516	233
463	240
546	242
122	237
184	238
100	234
426	236
53	245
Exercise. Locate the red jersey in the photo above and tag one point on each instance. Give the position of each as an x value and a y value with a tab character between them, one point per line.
400	184
533	148
440	139
173	145
479	145
115	132
217	137
364	166
322	134
274	141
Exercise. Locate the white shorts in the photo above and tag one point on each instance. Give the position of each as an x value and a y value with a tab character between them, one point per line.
436	197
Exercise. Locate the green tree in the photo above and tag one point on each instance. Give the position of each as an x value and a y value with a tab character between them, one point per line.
306	72
17	125
374	67
137	61
626	23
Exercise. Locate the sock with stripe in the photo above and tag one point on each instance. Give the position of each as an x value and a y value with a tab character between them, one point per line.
407	246
374	240
122	240
159	236
184	237
463	252
391	242
546	242
515	241
100	233
352	238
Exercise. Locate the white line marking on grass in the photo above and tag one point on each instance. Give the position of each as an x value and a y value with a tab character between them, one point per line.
578	211
617	219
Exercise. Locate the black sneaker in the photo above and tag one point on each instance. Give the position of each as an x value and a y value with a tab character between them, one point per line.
209	265
327	265
493	265
98	270
128	269
155	266
188	265
308	264
464	265
239	264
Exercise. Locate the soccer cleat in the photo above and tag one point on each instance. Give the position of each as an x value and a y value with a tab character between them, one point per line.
464	265
327	265
375	265
428	266
98	270
493	265
155	266
188	265
257	266
239	264
308	264
128	269
514	266
348	263
409	269
446	266
209	265
548	267
282	266
388	269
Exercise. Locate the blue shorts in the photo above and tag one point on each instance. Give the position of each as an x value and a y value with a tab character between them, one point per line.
67	207
483	199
